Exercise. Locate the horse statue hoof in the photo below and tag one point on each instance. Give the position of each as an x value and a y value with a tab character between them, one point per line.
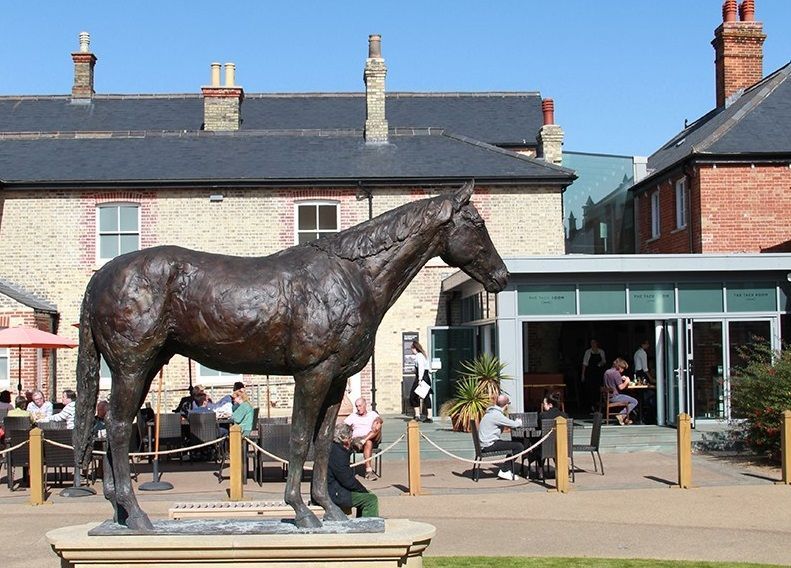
335	515
140	523
308	521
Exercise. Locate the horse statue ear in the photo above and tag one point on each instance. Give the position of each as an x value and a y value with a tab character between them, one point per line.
463	194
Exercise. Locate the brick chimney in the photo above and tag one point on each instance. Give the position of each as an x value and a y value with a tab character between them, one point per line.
738	49
550	137
222	105
374	77
84	61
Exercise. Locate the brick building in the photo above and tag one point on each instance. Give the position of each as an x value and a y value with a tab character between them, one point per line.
723	184
86	177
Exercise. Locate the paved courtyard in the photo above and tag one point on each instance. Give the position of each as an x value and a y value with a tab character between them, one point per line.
735	511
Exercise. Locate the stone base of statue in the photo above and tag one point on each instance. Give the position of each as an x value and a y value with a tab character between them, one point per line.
252	543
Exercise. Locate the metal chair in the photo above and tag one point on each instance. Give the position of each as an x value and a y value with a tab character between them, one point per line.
549	447
479	453
593	446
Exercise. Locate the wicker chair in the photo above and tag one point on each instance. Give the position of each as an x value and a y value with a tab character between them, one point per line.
479	453
170	430
57	458
204	428
274	438
549	447
17	430
593	446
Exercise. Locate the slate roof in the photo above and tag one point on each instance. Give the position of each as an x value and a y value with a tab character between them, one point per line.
757	123
24	297
262	157
504	119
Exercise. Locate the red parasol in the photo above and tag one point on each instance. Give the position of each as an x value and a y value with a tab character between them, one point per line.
31	338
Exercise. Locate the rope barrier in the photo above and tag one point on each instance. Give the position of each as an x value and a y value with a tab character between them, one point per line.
140	454
520	454
355	464
19	445
263	451
379	453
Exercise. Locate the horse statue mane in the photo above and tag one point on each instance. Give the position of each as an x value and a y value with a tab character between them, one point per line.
382	232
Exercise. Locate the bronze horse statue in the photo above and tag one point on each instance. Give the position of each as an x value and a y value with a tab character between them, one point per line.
310	311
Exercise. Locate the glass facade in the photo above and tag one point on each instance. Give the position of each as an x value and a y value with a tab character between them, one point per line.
598	208
602	298
550	299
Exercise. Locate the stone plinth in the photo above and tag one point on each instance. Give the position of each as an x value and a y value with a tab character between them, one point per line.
401	544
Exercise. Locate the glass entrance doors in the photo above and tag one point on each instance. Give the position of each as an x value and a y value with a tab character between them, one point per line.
451	345
698	357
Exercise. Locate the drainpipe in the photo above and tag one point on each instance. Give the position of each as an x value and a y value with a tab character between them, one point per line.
365	193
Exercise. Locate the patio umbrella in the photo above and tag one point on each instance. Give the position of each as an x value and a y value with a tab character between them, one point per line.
31	338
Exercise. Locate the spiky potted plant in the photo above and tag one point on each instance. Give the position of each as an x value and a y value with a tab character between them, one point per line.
487	369
469	403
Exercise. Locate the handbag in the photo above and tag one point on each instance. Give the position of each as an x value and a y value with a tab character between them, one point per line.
422	389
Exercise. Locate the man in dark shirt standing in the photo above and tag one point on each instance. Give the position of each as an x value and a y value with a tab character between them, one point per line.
344	489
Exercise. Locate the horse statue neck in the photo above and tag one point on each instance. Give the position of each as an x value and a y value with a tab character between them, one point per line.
391	248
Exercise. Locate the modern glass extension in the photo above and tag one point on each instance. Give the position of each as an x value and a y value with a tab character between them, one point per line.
698	313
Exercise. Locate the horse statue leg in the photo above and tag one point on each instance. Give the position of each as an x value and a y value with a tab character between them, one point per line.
119	433
321	445
310	391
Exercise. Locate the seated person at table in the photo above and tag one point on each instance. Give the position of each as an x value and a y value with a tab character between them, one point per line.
99	421
489	430
67	414
342	485
550	407
21	408
366	431
228	398
242	412
615	382
5	400
187	403
201	404
38	407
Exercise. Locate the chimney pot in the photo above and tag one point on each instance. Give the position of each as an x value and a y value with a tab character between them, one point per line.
215	74
230	74
729	11
548	108
375	46
747	11
85	42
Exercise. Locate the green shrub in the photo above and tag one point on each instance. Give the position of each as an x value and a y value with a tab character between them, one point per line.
761	391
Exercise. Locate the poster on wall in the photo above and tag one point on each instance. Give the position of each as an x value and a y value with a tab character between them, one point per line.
408	359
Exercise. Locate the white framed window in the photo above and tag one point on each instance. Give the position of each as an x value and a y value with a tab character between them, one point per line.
209	377
117	230
655	226
681	203
5	369
316	219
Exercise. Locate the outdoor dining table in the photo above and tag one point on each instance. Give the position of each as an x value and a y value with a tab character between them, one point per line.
639	392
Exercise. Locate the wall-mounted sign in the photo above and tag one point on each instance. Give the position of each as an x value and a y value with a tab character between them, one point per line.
408	359
751	297
652	299
547	299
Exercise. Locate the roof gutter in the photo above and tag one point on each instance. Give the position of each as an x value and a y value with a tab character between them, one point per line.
562	180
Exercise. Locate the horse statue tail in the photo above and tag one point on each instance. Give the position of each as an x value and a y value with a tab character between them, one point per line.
88	363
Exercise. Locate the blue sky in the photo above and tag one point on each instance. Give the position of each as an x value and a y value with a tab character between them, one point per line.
624	73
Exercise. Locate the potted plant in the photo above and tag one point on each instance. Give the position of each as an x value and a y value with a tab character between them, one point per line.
477	389
487	369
